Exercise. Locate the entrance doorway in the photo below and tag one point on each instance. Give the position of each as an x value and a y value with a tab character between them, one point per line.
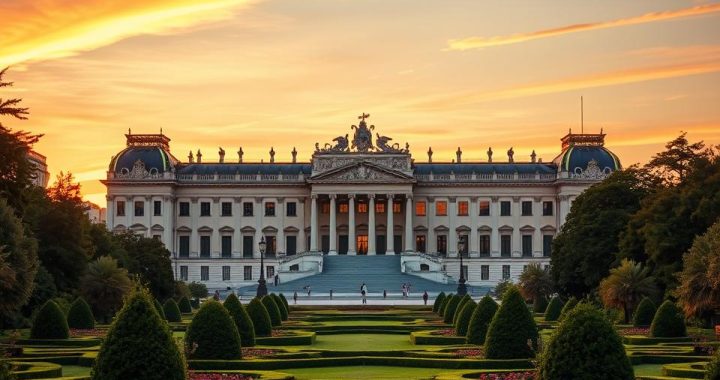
362	244
343	245
381	245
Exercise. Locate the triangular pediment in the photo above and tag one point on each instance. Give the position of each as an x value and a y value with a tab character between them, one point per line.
362	172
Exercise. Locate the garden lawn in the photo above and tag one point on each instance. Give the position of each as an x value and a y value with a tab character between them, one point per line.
75	370
364	342
363	372
648	369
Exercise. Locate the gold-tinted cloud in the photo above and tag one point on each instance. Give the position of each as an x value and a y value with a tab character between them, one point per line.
484	42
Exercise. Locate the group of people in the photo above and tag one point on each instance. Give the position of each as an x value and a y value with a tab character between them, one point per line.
364	293
406	290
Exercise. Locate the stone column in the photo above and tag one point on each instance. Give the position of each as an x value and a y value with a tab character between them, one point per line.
371	225
313	223
390	231
352	248
110	212
452	221
537	233
409	247
281	226
333	226
474	248
301	238
431	241
516	249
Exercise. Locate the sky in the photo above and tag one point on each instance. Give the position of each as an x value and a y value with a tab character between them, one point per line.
287	73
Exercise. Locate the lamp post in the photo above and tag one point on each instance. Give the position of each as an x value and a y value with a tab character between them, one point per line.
262	288
461	288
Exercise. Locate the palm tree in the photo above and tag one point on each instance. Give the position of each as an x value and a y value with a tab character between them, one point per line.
104	286
535	282
699	290
625	286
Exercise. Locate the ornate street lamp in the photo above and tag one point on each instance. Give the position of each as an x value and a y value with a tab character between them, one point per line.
262	288
462	288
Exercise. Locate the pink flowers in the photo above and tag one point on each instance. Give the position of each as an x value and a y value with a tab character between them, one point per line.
87	332
635	331
218	376
476	353
248	353
527	375
446	332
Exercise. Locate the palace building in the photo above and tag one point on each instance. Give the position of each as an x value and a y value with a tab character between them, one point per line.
360	195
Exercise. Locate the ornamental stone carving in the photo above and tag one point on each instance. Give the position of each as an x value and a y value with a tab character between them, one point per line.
138	171
592	172
362	142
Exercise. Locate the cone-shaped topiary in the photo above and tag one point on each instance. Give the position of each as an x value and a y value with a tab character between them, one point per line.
139	345
80	315
463	319
644	313
463	300
540	305
668	322
284	300
585	346
438	301
50	323
569	305
212	334
184	305
480	320
159	308
553	309
242	320
273	310
260	317
450	308
443	305
171	311
713	368
281	306
511	328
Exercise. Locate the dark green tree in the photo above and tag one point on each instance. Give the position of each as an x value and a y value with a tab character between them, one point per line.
159	308
50	323
273	310
502	287
172	311
450	308
198	290
644	313
104	286
443	305
212	334
148	258
185	306
569	305
260	318
480	320
463	300
43	290
553	310
713	368
182	290
285	301
511	329
668	322
699	290
80	316
18	261
438	301
463	320
625	286
535	283
281	306
540	305
242	320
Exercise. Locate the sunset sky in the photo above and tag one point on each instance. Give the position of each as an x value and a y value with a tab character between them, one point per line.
289	73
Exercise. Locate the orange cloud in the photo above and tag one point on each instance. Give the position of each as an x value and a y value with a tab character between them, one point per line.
484	42
65	27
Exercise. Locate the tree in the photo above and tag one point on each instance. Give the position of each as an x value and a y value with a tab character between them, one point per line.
273	310
148	258
438	301
463	319
450	308
540	305
535	283
171	310
281	306
198	290
43	290
625	286
581	256
242	320
668	322
139	345
181	290
159	308
553	309
502	287
644	313
604	358
185	306
260	318
480	320
18	261
673	164
699	290
80	316
104	287
511	329
463	300
443	305
569	305
287	305
212	334
713	368
50	323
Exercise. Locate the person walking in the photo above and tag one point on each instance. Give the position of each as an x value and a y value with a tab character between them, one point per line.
384	294
277	279
308	290
295	298
330	293
363	292
425	297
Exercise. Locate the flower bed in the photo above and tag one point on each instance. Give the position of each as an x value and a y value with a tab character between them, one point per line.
255	353
635	331
527	375
217	376
446	332
471	353
76	333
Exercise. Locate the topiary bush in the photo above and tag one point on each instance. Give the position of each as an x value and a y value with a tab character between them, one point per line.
273	311
444	304
540	305
644	313
438	301
80	315
463	319
50	323
260	318
553	309
585	346
713	368
212	334
139	345
450	308
569	305
285	301
242	320
511	328
171	311
668	322
281	307
184	305
480	320
159	308
465	299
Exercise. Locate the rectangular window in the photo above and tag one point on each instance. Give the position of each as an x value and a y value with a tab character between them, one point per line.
548	208
505	245
204	273
226	246
269	272
120	205
484	208
440	208
247	209
547	245
157	237
269	208
526	208
325	207
462	208
226	209
204	246
380	207
505	208
484	245
183	273
291	209
204	208
362	207
184	209
506	272
290	245
139	208
527	245
248	246
184	246
247	273
343	208
420	243
157	208
226	273
442	244
420	208
397	208
484	272
465	246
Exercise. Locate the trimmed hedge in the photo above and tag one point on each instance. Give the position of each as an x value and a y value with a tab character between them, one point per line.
450	308
273	310
285	301
463	319
242	320
465	299
281	306
480	320
553	309
444	304
511	328
171	311
713	368
260	318
184	305
438	301
50	323
159	308
644	313
212	334
585	346
139	345
540	304
569	305
80	315
668	322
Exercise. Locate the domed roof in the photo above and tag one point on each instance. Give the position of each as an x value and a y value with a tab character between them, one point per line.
153	158
579	158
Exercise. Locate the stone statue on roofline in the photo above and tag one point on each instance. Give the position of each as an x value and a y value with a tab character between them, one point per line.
490	153
510	154
221	153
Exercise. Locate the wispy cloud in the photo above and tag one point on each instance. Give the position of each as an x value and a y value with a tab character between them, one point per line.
485	42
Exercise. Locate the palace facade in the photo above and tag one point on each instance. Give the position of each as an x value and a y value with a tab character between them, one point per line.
357	196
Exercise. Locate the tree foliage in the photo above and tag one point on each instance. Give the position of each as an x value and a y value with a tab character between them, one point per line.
198	290
80	316
148	258
450	308
212	334
553	309
281	307
625	286
462	322
569	305
50	323
242	320
699	290
260	318
713	368
18	261
438	301
668	322
443	305
171	311
480	320
273	310
463	300
535	283
104	286
159	308
644	313
511	329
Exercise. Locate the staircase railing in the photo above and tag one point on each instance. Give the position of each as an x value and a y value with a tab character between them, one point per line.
298	256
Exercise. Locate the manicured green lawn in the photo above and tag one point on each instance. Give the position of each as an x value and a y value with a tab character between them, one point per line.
364	342
648	370
74	370
363	372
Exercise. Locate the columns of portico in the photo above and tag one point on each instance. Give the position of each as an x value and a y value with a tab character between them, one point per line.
352	249
390	231
313	223
408	224
333	226
371	225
